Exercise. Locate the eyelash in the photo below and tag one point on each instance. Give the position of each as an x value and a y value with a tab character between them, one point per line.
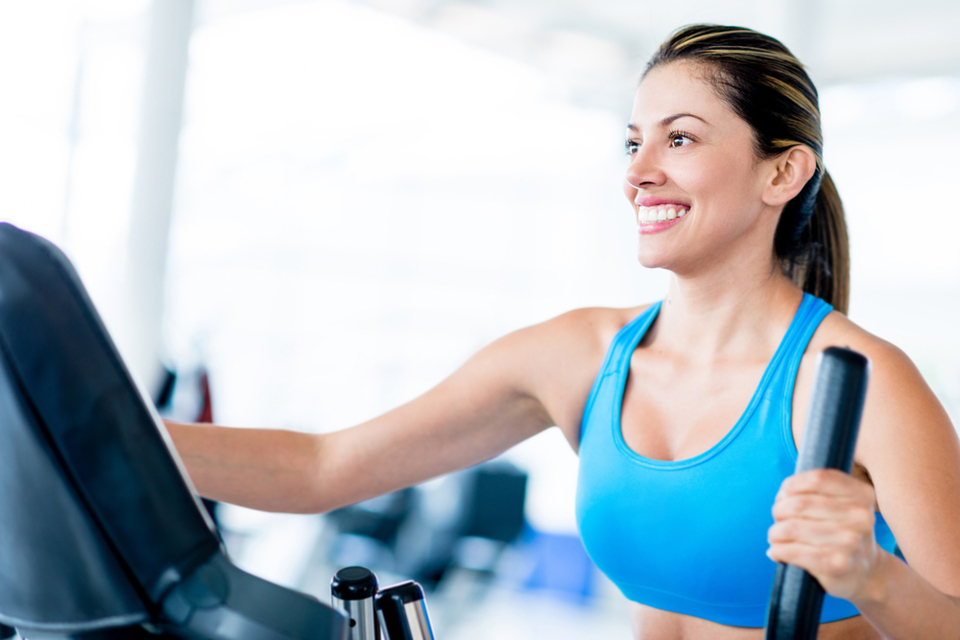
679	134
631	146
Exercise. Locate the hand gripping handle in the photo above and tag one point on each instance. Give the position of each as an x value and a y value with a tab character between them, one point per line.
829	438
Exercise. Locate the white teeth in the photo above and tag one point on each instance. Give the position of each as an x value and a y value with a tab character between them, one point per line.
658	214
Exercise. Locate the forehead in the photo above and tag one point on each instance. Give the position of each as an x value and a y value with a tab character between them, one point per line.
679	87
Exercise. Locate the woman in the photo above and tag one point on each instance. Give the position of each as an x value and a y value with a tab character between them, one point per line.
686	413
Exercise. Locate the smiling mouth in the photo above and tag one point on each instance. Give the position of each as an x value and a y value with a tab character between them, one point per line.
660	213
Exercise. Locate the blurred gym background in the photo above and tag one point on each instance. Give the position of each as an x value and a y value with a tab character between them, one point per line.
302	213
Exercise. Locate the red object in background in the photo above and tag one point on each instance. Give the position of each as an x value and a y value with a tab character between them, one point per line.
205	415
206	406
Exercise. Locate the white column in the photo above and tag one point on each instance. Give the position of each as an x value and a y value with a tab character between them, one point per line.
139	336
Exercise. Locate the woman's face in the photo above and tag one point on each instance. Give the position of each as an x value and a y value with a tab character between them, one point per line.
693	177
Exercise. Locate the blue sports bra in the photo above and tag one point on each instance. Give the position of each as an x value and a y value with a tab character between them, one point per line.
690	536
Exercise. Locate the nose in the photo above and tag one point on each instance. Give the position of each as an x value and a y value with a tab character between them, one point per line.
644	171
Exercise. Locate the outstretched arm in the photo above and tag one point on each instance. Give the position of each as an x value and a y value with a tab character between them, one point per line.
509	391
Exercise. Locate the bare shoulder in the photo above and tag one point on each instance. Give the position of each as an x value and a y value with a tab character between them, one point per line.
560	358
896	384
911	451
837	330
584	332
897	395
590	326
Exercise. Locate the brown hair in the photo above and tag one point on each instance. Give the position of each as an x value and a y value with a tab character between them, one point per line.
767	86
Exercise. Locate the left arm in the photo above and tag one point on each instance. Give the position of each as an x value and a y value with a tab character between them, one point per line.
824	519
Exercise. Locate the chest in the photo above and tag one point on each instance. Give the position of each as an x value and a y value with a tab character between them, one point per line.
688	533
673	531
675	411
671	412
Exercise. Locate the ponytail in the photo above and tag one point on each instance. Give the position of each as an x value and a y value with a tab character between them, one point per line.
819	259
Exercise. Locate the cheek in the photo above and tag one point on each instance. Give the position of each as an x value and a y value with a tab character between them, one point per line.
728	187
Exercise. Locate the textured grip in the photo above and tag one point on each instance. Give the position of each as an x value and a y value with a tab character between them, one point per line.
829	438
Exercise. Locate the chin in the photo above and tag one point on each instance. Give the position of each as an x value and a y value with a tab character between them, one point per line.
652	259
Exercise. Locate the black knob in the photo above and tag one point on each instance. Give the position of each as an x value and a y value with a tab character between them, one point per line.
354	583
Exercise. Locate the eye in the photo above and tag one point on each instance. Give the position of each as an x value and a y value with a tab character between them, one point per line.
679	139
630	146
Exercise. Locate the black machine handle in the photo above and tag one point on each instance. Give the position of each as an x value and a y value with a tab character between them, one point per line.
829	438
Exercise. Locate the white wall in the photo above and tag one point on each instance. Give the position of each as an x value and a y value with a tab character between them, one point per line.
362	203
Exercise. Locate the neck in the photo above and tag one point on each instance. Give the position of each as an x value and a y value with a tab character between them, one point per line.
724	312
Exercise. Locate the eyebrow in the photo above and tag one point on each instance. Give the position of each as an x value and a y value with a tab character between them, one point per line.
666	121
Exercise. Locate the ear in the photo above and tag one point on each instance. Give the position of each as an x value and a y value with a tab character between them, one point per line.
790	172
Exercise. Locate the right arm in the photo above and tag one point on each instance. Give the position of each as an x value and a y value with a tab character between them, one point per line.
509	391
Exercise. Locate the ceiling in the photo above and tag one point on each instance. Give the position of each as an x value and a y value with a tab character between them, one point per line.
592	50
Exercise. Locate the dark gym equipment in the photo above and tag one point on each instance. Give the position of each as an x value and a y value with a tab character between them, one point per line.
402	612
398	612
352	591
100	533
829	439
489	500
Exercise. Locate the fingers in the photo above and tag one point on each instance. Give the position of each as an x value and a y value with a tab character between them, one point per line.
823	523
829	482
857	513
835	569
845	532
